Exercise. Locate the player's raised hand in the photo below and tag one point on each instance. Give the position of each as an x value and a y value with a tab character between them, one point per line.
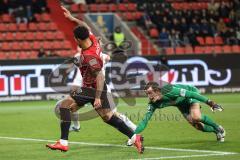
67	13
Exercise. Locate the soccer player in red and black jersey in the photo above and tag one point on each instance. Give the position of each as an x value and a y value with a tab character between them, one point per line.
94	89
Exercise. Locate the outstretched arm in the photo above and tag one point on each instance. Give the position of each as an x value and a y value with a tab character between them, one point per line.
69	16
174	91
143	124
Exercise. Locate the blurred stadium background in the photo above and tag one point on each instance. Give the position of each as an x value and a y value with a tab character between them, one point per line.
198	40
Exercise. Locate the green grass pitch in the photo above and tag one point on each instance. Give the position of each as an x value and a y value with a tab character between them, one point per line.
168	135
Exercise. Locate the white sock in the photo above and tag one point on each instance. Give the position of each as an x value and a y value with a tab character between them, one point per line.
76	124
75	119
127	121
133	138
64	142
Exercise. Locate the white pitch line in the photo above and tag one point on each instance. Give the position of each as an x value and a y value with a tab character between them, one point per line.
123	146
176	157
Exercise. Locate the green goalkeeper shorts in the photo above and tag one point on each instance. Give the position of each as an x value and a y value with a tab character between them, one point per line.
184	107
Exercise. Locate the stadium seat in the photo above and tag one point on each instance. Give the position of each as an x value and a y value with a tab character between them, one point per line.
93	7
180	50
12	55
12	27
227	49
128	16
59	35
5	46
218	49
36	45
38	17
112	7
23	55
9	36
236	49
2	37
22	27
188	50
83	8
138	15
42	26
70	53
186	6
57	45
29	36
45	17
16	46
209	40
154	33
176	6
169	51
200	40
132	7
39	36
67	45
3	27
19	36
122	7
204	5
74	8
33	55
46	45
6	18
63	53
218	40
26	45
198	50
208	49
52	26
3	56
32	27
49	35
103	8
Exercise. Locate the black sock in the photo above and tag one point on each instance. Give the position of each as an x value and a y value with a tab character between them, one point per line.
121	126
65	122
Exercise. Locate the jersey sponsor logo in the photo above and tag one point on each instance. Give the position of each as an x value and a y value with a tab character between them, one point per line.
93	62
183	92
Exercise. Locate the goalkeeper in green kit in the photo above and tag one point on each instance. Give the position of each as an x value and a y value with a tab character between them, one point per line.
187	99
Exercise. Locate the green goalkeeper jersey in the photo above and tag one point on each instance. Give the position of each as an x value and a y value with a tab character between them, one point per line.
173	95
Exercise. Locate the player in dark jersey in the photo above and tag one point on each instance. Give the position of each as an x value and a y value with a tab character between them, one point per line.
94	89
187	99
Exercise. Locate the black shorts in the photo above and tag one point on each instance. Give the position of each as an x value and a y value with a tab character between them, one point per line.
87	95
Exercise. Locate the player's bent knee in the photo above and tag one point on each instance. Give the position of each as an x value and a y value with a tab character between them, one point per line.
196	118
105	114
198	126
66	103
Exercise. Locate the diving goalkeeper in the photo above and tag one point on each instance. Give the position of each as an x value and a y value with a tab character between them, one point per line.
187	99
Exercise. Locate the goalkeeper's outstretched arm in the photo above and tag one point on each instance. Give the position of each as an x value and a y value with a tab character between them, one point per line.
143	124
174	91
69	16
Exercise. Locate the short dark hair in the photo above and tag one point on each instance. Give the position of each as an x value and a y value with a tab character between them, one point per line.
81	32
154	86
